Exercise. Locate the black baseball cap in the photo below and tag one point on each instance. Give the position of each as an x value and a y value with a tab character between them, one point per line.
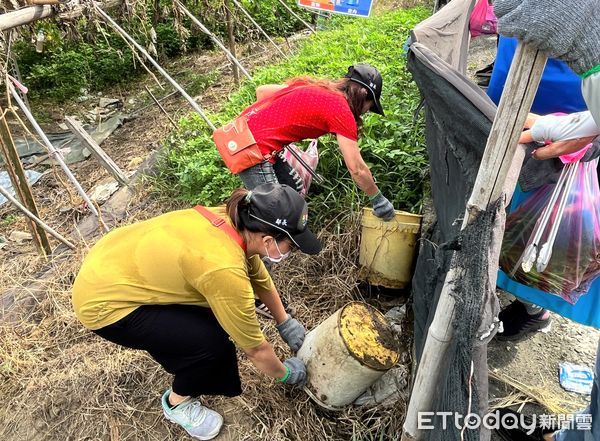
282	208
369	77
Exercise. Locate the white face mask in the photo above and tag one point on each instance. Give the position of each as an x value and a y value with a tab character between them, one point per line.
281	257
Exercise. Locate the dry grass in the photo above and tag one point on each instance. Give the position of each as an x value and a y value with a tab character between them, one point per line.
541	395
59	381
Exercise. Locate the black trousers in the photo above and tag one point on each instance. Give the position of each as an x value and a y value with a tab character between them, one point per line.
187	341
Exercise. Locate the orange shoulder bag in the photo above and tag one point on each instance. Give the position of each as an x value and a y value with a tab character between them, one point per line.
235	141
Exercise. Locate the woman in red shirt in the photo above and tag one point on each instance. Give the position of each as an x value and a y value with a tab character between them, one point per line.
308	108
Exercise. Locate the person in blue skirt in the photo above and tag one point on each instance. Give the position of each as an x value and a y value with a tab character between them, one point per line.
569	31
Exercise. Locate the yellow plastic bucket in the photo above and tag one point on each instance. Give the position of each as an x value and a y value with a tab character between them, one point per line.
387	249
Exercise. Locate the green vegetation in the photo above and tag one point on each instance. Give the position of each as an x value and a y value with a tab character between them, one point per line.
393	145
86	55
8	220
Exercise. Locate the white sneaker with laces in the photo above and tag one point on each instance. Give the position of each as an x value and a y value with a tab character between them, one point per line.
199	421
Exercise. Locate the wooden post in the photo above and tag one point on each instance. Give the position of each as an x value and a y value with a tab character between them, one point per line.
519	91
20	184
96	150
231	39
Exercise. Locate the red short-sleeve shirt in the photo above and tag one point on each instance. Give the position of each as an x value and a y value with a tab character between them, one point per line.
307	111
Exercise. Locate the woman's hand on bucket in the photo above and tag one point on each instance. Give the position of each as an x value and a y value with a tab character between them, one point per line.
295	372
292	332
382	207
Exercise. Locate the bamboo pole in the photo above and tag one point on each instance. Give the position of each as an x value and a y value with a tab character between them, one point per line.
17	72
96	150
55	154
24	16
19	182
521	86
34	218
162	109
31	14
260	29
127	37
231	41
309	27
218	42
45	2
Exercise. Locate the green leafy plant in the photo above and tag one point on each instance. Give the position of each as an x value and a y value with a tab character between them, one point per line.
9	219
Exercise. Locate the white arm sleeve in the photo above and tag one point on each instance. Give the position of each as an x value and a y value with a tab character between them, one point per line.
591	93
564	127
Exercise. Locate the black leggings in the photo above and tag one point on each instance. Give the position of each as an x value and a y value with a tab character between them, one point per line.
187	341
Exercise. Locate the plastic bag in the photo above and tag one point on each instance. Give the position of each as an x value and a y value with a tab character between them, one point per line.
310	156
483	20
575	260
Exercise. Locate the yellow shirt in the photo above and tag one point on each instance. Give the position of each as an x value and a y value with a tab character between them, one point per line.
176	258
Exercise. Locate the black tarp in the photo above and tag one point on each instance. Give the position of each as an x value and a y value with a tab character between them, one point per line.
458	119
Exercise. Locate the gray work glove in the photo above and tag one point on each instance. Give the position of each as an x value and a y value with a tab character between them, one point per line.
382	208
296	372
568	30
292	332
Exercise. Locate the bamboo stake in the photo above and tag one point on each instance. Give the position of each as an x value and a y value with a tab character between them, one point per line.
45	2
160	106
55	154
34	218
231	41
96	150
127	37
17	72
310	28
24	16
30	14
19	182
218	42
521	86
247	14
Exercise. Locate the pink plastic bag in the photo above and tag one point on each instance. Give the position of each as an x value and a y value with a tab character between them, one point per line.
310	156
575	259
483	20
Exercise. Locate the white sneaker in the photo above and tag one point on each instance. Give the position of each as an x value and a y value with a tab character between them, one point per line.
199	421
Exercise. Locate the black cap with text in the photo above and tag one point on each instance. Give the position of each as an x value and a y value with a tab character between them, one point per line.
282	208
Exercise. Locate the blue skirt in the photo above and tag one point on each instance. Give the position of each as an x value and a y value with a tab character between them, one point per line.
559	91
587	309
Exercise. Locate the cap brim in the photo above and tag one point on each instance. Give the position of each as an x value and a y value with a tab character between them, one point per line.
376	108
307	242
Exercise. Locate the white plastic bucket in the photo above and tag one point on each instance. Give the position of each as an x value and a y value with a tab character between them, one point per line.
347	353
